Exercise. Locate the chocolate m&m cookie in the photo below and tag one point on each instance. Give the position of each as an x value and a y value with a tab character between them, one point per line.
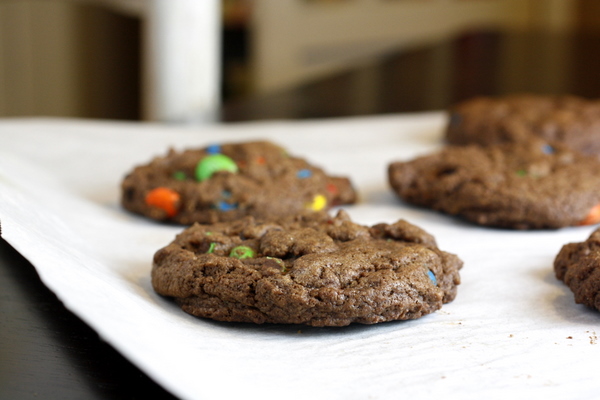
571	120
578	266
307	269
528	185
230	181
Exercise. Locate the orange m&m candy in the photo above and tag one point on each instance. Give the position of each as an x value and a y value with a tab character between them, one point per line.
164	198
593	216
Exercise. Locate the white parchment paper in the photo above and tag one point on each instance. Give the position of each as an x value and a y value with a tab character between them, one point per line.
513	330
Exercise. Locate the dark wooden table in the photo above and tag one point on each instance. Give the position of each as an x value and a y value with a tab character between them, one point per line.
46	352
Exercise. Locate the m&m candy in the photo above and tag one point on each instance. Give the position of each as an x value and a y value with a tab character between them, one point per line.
241	252
164	198
304	173
319	202
279	261
214	163
179	175
593	216
213	149
432	277
331	188
547	149
225	206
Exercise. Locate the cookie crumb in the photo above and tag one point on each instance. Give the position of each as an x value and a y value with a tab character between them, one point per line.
593	337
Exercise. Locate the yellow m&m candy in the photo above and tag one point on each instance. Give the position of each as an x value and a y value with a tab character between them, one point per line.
319	202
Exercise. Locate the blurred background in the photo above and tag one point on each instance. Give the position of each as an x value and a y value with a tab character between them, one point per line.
236	60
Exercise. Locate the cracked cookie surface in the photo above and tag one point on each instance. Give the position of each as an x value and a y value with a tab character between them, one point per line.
528	185
578	266
310	269
229	181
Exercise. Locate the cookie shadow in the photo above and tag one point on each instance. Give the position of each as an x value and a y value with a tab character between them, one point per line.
563	300
307	331
385	202
379	196
140	280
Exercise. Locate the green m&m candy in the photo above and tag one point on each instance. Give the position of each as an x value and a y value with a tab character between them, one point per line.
242	252
214	163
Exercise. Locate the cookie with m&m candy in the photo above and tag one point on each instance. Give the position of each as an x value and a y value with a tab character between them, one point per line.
571	120
224	182
310	268
532	184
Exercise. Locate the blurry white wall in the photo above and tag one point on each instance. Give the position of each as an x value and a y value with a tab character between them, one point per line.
295	40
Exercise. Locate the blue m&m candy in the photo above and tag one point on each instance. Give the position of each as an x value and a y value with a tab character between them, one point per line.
224	206
547	149
431	276
213	149
304	173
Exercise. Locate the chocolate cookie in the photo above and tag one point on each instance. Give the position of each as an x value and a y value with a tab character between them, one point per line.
309	269
571	120
528	185
578	266
230	181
